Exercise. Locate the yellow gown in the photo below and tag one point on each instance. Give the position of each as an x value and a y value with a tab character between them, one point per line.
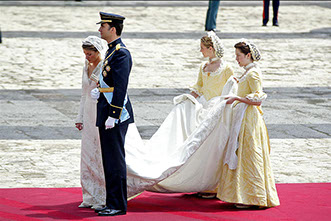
252	181
210	84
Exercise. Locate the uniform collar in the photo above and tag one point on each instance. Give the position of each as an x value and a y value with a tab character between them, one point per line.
114	43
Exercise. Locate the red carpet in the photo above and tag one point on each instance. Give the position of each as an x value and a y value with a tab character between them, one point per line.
298	202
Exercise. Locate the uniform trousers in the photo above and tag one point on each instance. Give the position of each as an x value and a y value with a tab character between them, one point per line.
275	7
211	15
113	157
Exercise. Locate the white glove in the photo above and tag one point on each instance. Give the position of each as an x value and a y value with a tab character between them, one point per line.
95	94
110	123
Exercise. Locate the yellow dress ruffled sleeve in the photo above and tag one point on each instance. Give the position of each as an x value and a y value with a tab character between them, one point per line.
255	84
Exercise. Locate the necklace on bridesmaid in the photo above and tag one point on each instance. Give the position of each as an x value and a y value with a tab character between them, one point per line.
212	60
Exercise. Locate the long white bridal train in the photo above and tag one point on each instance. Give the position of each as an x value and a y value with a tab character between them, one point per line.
184	154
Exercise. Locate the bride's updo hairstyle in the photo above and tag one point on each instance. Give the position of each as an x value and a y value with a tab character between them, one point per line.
94	43
89	47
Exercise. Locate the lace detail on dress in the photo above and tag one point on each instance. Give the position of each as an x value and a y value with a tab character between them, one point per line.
218	71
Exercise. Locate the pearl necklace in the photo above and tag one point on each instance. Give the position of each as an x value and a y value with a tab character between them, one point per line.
211	60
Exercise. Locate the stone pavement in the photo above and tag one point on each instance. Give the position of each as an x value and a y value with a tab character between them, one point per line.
40	75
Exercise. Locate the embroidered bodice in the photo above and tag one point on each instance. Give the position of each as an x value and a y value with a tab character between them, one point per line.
210	84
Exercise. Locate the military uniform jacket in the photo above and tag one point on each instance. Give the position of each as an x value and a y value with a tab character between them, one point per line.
115	73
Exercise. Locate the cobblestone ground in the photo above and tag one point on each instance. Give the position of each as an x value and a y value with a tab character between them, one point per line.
40	75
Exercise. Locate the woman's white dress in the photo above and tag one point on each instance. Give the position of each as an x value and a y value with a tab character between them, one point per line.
91	168
184	154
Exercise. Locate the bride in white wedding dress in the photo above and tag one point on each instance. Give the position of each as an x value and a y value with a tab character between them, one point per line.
184	154
91	168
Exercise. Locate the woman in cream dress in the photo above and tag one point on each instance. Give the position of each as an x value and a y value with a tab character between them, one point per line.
247	177
91	170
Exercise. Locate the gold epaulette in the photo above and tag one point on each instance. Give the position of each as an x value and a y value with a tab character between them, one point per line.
118	47
106	89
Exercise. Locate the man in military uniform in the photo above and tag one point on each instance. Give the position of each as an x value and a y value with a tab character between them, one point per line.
275	7
114	113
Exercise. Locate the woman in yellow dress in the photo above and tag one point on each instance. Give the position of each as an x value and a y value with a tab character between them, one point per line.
213	75
184	153
247	179
215	72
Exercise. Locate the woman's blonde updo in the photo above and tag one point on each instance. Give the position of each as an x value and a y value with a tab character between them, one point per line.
207	42
212	40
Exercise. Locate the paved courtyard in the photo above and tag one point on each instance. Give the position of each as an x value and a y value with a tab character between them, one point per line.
41	62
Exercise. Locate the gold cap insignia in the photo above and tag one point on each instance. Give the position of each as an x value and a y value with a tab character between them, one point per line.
111	18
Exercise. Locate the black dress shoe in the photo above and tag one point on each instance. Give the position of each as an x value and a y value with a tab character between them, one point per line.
275	23
111	212
101	209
